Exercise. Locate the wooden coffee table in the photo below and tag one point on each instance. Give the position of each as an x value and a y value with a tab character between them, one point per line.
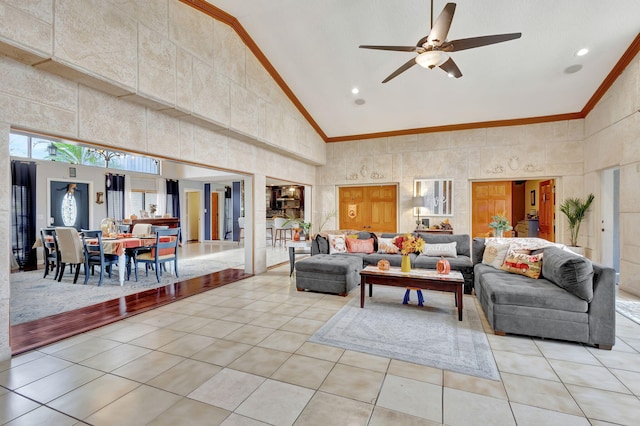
425	279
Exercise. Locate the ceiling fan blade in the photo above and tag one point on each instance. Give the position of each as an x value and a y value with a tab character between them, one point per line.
411	62
396	48
470	43
438	33
451	68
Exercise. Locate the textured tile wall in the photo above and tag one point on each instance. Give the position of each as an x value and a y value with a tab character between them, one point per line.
520	152
613	140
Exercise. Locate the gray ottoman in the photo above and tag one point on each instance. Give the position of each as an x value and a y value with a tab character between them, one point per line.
328	273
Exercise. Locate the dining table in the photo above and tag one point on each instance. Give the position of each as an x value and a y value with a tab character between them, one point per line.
118	246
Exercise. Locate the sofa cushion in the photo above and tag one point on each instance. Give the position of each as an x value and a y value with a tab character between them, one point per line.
523	264
495	253
386	246
459	263
394	259
510	289
569	271
337	244
359	246
323	244
442	249
463	241
330	264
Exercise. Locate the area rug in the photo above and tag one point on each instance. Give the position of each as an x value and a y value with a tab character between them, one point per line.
34	297
630	309
430	335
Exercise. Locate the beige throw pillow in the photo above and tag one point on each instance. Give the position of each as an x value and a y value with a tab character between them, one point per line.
494	254
440	250
386	246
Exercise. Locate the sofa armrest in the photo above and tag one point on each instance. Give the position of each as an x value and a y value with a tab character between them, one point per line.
602	309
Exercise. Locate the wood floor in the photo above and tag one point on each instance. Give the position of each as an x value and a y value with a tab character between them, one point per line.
34	334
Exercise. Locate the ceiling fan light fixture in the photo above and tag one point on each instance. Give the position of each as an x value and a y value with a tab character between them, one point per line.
431	59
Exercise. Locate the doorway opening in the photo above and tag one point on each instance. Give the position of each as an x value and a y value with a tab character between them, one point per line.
610	220
529	205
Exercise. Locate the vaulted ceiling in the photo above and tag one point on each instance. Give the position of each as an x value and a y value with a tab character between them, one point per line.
313	46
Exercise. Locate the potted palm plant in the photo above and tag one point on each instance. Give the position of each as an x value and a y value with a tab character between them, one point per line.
575	210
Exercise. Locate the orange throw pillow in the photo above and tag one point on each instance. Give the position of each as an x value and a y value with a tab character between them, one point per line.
359	246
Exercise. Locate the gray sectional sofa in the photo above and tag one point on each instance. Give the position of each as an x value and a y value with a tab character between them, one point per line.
574	298
313	269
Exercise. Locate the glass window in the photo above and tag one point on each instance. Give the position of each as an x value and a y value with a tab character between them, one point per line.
69	209
19	145
42	148
141	201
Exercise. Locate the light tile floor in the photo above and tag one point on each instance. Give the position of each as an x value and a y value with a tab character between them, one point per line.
238	355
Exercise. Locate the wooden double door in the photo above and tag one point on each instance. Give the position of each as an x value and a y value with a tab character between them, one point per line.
369	208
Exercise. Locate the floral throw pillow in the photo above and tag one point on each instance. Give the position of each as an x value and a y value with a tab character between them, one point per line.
337	244
386	246
529	265
359	246
494	254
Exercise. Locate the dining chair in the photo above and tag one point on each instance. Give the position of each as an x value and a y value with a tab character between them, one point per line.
124	228
282	231
141	229
71	250
241	229
94	255
163	251
51	251
269	230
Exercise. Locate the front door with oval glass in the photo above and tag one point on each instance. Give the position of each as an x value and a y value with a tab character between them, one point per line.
69	204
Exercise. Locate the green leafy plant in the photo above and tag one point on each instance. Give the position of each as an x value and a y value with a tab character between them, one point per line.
575	210
305	226
500	224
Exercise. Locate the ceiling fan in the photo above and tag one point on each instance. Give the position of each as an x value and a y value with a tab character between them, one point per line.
433	49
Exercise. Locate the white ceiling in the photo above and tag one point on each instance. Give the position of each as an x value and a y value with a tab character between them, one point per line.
314	47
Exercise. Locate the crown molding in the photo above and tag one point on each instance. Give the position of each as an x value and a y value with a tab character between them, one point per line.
623	62
463	126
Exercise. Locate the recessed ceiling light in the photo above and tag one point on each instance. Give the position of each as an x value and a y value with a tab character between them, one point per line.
573	69
582	52
355	90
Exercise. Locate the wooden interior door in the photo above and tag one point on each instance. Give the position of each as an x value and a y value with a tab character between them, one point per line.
214	216
547	209
488	199
354	207
370	208
383	208
193	216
